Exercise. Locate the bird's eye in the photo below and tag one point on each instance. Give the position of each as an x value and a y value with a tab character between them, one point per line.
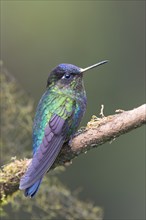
67	76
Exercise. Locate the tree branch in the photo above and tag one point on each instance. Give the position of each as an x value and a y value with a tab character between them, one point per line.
97	132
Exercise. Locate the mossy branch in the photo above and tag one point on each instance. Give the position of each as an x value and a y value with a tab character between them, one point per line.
97	132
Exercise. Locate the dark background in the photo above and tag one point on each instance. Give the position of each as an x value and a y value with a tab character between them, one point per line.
38	35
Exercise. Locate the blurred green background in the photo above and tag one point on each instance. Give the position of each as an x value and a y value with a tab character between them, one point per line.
38	35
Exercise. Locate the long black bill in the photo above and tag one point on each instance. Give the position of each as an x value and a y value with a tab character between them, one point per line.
93	66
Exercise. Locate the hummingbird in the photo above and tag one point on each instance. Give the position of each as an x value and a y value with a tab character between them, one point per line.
57	118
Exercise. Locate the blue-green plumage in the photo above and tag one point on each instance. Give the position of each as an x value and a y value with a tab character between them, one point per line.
57	118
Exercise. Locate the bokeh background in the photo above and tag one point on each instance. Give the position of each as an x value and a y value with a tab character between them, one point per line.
38	35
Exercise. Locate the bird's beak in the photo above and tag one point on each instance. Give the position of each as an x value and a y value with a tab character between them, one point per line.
95	65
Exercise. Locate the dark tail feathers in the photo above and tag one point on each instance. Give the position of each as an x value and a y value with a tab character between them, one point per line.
32	190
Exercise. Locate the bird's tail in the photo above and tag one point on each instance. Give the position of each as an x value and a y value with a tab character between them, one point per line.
32	190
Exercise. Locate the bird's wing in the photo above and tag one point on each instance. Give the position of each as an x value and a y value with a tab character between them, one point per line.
54	137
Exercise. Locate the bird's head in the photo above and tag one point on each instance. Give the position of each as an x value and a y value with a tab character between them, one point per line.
64	74
68	75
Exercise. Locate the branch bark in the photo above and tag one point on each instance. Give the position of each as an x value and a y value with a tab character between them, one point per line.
97	132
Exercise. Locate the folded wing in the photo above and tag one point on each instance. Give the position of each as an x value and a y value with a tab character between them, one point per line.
44	157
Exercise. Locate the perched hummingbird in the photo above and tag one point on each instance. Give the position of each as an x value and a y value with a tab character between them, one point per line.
57	118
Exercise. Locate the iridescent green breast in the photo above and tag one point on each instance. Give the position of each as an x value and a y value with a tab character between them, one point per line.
50	103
